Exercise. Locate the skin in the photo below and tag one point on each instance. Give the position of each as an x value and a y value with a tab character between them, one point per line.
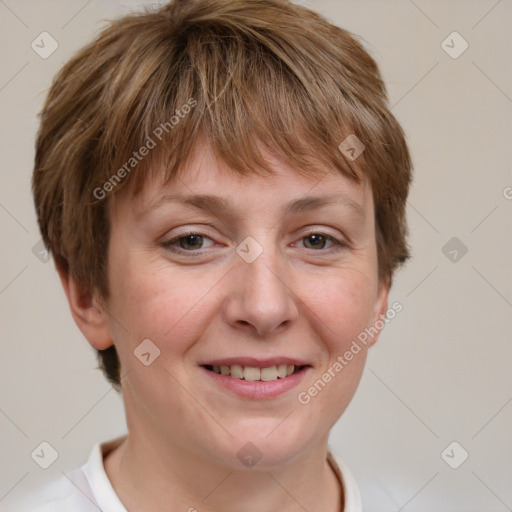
299	298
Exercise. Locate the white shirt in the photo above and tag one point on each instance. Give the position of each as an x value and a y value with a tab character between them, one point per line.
88	489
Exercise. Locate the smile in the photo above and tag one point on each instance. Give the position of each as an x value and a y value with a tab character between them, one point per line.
255	378
253	373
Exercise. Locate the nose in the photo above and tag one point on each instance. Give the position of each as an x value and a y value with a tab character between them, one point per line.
261	299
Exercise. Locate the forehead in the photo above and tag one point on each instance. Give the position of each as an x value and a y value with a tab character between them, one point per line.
206	182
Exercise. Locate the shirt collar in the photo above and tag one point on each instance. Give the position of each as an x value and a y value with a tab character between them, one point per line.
94	470
351	499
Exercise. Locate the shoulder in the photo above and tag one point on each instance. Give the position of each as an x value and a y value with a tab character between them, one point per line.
86	489
67	493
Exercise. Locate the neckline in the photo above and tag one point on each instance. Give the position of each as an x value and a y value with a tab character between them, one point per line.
337	471
107	447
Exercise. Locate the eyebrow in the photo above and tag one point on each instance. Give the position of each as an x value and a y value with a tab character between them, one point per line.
216	204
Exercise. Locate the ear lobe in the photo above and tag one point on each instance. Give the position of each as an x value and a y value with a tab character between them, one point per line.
89	315
379	310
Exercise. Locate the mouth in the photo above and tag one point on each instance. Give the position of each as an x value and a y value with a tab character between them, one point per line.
256	378
255	373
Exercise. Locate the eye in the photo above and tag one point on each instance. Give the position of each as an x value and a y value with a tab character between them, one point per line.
192	243
317	241
186	242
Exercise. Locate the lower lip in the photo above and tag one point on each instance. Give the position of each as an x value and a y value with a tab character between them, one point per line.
258	390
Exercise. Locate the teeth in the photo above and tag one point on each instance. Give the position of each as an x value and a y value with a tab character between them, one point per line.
281	371
268	374
251	373
237	371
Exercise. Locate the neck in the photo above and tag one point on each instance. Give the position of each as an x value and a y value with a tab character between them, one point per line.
149	475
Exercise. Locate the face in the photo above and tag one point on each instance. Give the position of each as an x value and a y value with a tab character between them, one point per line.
248	301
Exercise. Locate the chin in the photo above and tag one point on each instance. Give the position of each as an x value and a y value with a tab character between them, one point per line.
264	443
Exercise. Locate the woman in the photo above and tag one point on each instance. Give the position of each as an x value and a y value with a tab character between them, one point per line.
222	187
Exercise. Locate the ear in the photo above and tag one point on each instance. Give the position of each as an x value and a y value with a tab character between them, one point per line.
88	313
379	310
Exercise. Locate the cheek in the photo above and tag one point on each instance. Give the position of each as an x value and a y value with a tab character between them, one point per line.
345	310
340	310
342	305
167	306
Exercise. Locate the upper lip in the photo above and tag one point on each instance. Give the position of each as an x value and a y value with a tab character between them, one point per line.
256	362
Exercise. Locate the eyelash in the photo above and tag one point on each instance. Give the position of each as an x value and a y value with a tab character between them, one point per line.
171	244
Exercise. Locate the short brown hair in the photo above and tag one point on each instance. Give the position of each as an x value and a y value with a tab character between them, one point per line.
244	74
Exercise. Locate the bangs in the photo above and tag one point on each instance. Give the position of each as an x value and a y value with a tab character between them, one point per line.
239	92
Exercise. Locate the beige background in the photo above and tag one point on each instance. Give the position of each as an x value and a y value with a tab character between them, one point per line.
441	371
